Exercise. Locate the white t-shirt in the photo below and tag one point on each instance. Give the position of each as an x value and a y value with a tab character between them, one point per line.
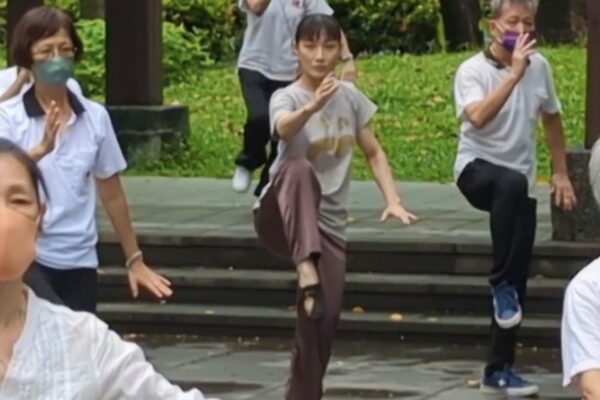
268	39
581	324
509	139
326	140
9	75
68	355
85	150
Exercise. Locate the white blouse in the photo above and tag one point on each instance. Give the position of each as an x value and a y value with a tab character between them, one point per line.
67	355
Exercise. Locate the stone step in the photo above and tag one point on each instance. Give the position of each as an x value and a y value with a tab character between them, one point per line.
381	254
251	321
444	294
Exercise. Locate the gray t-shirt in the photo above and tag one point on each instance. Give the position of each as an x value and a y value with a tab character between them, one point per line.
268	38
326	141
507	140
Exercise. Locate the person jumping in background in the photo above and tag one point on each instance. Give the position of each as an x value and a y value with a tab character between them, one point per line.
267	63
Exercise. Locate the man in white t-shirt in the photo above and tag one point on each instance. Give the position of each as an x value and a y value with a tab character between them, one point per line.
267	63
500	95
581	316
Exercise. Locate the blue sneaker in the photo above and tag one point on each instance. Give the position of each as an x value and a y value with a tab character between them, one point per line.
507	310
508	383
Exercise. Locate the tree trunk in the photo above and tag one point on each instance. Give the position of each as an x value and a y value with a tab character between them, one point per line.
593	77
91	9
553	21
461	23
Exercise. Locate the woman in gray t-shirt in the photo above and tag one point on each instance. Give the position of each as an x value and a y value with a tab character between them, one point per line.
301	214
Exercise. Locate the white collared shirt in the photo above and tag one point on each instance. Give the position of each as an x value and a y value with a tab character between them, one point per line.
67	355
86	149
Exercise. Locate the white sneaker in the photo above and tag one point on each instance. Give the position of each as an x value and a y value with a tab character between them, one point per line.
242	179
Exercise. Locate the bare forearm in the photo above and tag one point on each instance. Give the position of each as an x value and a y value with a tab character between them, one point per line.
482	112
291	123
555	137
118	213
36	153
382	173
257	7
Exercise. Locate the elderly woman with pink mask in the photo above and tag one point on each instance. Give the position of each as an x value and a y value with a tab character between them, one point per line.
48	351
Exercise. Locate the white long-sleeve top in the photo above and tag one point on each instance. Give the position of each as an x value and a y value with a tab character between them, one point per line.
67	355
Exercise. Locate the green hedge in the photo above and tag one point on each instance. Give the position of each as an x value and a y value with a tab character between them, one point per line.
371	25
183	55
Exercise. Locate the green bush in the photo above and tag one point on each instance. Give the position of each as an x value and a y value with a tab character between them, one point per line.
218	21
375	26
183	55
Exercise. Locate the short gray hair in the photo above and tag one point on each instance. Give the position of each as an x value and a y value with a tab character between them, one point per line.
496	6
595	172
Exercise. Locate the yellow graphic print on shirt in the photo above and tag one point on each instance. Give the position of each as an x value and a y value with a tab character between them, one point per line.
339	144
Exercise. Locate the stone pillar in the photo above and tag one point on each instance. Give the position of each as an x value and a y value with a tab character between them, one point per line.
134	80
592	131
583	224
15	10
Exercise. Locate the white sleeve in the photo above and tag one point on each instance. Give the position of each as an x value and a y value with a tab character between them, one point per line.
467	89
110	159
551	104
123	372
318	7
281	103
580	333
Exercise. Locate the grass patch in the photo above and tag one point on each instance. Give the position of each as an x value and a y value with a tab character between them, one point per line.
415	122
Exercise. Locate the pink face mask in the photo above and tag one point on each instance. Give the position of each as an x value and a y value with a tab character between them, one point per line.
17	243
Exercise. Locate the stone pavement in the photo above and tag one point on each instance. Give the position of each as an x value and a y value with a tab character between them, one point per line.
202	206
257	369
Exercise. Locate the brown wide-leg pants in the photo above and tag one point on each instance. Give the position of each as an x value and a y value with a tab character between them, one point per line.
287	224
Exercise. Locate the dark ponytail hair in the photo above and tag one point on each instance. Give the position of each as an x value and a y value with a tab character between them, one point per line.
314	25
37	179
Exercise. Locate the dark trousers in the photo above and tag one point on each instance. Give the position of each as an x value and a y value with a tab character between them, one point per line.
257	91
504	194
287	224
74	288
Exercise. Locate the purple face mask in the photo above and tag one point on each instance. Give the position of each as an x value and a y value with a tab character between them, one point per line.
510	39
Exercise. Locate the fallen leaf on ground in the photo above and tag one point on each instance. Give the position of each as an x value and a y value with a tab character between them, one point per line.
397	317
473	383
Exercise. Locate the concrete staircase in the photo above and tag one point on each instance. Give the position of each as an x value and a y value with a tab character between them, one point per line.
419	290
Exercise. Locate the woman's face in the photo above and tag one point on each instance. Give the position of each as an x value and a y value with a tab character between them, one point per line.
16	188
58	44
319	56
53	59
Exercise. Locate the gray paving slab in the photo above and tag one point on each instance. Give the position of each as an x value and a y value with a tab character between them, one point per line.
203	206
255	368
